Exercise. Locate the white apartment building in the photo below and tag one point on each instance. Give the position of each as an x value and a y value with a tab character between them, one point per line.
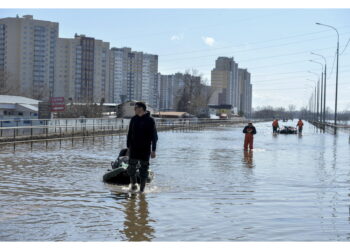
133	76
119	73
27	56
149	91
168	90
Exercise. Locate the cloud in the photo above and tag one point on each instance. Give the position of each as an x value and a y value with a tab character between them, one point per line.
177	37
208	40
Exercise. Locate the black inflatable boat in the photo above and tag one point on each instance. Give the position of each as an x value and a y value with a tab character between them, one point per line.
118	174
288	130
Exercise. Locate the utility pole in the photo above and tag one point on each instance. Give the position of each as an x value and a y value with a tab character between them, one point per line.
336	77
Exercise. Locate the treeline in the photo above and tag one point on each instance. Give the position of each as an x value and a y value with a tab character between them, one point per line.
89	110
344	116
268	112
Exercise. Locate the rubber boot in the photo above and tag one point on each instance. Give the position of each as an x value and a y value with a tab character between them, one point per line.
133	183
142	185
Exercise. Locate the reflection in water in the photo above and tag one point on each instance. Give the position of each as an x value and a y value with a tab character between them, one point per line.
136	223
294	189
248	159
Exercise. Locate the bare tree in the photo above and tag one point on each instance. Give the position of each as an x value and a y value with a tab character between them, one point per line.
88	110
291	107
194	96
41	93
5	87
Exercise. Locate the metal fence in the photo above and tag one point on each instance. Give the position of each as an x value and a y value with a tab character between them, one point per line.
24	130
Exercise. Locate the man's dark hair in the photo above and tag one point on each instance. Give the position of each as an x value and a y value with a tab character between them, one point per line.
142	105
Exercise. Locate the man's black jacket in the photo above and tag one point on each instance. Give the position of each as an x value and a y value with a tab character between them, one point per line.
245	130
141	135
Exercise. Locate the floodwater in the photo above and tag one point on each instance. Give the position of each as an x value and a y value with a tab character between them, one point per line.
206	188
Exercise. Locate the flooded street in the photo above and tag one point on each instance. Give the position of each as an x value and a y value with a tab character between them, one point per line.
206	188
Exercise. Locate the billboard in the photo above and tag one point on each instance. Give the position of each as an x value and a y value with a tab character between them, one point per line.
57	104
44	110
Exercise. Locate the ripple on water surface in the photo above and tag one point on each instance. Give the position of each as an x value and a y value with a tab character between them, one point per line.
206	188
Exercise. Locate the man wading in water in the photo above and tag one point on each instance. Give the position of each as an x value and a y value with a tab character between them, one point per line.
142	136
249	132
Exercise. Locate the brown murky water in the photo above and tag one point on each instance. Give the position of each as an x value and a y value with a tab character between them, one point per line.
291	188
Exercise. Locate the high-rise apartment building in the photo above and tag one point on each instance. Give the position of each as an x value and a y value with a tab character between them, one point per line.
83	70
134	76
231	85
224	81
27	56
170	87
166	92
245	92
119	73
149	91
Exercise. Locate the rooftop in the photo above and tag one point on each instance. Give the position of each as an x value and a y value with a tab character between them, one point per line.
12	99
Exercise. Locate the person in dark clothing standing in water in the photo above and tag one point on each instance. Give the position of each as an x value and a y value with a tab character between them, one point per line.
249	131
141	143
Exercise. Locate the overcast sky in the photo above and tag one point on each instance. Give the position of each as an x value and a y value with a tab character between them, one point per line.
273	44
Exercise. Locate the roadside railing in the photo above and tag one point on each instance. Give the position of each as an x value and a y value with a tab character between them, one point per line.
63	128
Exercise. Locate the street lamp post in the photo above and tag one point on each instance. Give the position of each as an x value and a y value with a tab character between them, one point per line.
309	112
336	77
321	91
319	104
324	86
315	98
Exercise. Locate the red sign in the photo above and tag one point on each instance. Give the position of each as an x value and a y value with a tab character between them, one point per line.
57	100
57	104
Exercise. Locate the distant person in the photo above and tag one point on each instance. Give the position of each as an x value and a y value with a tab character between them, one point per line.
300	125
275	126
141	143
249	132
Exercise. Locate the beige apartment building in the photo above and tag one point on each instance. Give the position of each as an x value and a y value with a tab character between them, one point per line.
231	86
83	70
224	81
27	56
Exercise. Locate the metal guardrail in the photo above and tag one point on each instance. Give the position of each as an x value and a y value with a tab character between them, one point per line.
330	127
63	128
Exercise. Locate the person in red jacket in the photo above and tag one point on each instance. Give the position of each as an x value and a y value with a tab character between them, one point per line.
275	126
249	132
300	125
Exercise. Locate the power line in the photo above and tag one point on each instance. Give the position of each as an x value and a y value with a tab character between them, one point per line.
345	47
198	27
269	80
250	69
294	76
280	89
335	56
255	89
283	73
247	50
280	80
290	54
241	45
260	58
